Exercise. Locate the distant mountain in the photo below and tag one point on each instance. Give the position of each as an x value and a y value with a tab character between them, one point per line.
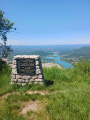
41	53
75	55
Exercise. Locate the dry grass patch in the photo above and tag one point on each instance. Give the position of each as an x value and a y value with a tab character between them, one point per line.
31	106
40	113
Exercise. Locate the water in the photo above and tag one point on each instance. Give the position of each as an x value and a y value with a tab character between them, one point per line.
59	61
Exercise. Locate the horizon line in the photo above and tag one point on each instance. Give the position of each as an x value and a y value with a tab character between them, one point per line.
50	44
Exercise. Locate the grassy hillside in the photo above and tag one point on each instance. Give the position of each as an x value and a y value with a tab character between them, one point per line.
75	55
68	95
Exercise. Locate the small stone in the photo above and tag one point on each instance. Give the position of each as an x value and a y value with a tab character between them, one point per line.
19	83
34	77
13	76
31	80
13	66
23	80
26	77
37	67
26	80
23	84
37	80
18	77
14	71
13	80
40	76
38	58
14	62
19	80
37	62
38	71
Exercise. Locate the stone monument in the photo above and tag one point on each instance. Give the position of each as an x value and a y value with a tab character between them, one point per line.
27	69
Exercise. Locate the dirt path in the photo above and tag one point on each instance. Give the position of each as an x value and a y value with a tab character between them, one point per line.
40	92
28	92
5	96
31	105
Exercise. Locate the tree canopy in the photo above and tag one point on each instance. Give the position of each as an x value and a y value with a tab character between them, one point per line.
5	27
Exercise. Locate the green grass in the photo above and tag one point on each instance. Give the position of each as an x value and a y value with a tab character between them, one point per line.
69	98
5	77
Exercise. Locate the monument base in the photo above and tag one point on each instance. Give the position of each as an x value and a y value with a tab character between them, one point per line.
27	69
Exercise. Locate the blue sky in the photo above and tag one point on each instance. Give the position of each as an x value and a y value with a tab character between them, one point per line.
48	22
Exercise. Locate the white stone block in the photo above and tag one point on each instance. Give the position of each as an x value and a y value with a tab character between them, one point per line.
26	80
13	76
37	62
34	77
19	83
26	56
14	71
37	80
40	76
13	80
31	80
18	77
19	80
37	67
26	77
14	62
23	84
14	67
39	71
23	80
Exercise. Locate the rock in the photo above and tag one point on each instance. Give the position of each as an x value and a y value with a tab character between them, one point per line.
27	69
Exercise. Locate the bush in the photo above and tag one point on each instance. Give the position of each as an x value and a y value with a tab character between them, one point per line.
83	66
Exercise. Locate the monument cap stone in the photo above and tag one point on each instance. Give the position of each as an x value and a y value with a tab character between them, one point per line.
26	56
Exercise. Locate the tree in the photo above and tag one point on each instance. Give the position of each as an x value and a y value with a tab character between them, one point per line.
5	27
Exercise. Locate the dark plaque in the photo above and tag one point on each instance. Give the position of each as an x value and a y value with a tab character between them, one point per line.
26	66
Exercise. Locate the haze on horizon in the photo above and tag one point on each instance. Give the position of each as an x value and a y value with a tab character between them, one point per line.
49	22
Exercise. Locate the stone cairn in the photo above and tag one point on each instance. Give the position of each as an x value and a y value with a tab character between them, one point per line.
27	69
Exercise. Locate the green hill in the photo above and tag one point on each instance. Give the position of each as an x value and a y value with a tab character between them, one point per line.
75	55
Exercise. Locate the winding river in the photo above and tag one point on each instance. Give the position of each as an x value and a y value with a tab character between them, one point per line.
59	61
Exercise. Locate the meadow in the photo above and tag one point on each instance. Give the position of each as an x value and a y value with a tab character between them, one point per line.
67	95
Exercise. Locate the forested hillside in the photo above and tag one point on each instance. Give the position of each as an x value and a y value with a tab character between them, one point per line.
75	55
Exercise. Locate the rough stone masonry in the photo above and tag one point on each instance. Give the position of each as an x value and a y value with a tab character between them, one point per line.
27	69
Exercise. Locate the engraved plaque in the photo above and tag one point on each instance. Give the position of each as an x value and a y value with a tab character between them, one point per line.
26	66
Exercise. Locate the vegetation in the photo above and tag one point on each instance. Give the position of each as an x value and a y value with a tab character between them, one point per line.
5	27
68	98
42	53
75	55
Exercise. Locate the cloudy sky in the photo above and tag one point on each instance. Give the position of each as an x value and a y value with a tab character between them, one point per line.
48	22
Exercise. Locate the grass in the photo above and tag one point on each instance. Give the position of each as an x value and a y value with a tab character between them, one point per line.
5	77
69	98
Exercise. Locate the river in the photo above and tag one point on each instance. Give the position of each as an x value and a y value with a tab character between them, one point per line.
59	61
